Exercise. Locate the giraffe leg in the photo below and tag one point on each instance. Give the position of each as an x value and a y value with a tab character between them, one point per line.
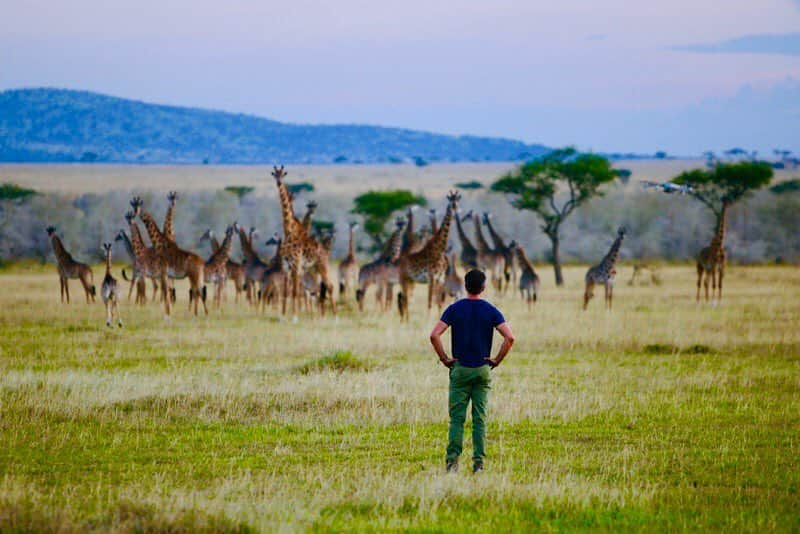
116	311
705	284
699	280
588	293
108	312
61	286
66	288
719	284
130	291
164	296
285	293
609	293
714	286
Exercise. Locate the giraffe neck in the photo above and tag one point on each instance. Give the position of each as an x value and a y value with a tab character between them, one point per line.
108	262
393	246
247	249
483	245
433	224
222	253
62	256
465	242
613	253
523	259
307	218
156	237
169	225
215	243
136	239
437	244
351	252
409	238
498	241
290	224
719	236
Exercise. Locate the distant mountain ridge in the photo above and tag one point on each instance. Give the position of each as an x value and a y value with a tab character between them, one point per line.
59	125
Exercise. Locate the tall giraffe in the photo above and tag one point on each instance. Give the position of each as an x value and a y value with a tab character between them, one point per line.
432	213
254	266
138	279
216	268
410	238
528	279
148	260
109	291
348	268
234	270
180	263
427	265
453	283
469	254
377	271
604	272
489	259
169	218
509	257
69	268
711	259
300	250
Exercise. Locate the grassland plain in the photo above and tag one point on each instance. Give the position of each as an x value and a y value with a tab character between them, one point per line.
660	414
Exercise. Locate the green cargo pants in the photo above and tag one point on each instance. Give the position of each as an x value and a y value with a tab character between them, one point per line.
468	384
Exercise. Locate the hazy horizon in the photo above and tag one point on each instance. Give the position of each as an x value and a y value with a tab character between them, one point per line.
680	76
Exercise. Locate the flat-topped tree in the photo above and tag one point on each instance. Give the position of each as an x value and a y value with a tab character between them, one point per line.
378	206
553	186
729	181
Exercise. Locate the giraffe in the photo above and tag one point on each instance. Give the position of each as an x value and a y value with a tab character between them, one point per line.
348	268
528	280
378	271
169	224
427	265
410	238
272	281
109	291
711	259
489	259
300	250
453	284
69	268
509	257
180	263
138	279
216	267
234	270
254	266
148	262
469	254
604	272
307	222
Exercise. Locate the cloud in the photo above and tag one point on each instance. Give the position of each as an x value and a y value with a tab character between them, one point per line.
786	44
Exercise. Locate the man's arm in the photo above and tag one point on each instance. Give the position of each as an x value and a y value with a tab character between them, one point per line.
436	341
508	342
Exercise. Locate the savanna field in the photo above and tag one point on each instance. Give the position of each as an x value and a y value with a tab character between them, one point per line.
659	414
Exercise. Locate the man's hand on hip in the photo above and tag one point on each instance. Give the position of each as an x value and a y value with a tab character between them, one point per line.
448	362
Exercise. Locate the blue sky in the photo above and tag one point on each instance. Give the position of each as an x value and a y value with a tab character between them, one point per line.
611	75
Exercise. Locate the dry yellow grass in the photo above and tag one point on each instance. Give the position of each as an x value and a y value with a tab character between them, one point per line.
659	414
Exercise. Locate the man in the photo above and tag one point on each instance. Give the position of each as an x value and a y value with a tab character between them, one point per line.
473	321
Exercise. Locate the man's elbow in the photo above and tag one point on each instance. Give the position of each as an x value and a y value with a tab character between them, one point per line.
434	338
510	340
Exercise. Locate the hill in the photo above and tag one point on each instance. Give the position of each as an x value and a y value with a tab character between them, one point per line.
57	125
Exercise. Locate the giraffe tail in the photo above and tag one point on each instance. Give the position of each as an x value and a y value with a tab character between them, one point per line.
94	291
125	276
341	287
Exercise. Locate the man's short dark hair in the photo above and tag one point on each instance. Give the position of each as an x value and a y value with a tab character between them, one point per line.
475	282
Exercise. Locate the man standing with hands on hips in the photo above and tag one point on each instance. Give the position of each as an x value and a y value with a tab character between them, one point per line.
473	321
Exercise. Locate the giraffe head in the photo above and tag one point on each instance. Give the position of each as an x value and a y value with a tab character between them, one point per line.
107	248
621	231
120	236
466	216
312	206
353	226
278	173
207	235
486	217
228	231
453	197
172	197
513	244
726	200
136	204
274	240
129	216
50	230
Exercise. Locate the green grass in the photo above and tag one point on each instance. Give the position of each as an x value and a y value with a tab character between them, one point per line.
682	418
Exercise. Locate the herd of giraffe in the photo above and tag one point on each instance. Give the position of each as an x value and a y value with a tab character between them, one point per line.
299	271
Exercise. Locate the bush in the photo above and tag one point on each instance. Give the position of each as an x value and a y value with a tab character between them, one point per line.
339	362
13	192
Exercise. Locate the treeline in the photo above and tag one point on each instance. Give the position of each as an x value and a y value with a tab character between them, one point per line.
762	228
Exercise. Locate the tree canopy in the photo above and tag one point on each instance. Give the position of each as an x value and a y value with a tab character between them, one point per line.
377	207
536	185
726	180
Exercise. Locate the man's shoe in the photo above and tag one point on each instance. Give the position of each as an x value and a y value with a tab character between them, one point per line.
452	466
477	467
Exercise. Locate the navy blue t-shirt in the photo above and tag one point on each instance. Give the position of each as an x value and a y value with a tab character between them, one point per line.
472	323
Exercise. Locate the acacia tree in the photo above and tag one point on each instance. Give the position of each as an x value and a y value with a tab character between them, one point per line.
724	180
553	187
377	206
